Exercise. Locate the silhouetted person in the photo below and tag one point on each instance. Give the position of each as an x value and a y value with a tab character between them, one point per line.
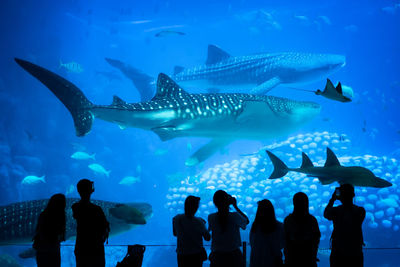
50	231
190	231
302	234
224	225
92	228
347	237
266	237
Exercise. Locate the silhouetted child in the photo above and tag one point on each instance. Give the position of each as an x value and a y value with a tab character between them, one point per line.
302	234
92	228
50	231
266	237
225	226
190	231
347	236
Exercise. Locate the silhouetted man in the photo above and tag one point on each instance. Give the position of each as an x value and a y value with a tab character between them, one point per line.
347	237
92	228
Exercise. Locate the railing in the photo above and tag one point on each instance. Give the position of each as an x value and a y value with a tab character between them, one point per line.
387	257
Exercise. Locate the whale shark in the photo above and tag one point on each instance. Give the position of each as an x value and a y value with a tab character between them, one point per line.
255	74
173	112
18	220
331	172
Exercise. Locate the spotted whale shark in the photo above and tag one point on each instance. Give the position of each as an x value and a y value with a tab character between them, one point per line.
18	220
331	172
173	112
255	74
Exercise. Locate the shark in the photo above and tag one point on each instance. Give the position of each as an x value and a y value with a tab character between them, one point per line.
331	172
173	113
18	220
255	74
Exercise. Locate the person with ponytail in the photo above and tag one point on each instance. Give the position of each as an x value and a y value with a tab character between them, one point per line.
266	237
225	228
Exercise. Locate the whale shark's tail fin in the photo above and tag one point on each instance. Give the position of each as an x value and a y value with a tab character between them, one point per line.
143	82
70	95
280	168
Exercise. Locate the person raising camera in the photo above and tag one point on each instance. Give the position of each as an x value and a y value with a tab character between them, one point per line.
224	226
347	236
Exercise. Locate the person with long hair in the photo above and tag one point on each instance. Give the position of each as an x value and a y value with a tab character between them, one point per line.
302	234
225	227
190	231
266	237
50	231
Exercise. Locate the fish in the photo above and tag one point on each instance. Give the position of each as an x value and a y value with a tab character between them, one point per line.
333	93
129	180
254	74
79	155
32	179
160	152
97	168
174	113
18	220
71	67
166	33
331	172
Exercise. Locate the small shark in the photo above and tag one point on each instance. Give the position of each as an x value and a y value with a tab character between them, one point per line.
173	112
255	74
331	172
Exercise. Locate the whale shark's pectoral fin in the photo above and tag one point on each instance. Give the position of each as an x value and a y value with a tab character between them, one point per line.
266	86
166	132
206	151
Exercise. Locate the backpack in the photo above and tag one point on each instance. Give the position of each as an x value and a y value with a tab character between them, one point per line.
134	256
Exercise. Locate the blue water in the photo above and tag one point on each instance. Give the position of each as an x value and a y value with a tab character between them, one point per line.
37	135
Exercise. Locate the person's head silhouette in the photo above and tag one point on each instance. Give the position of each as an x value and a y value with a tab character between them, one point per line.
221	200
56	203
300	204
346	193
85	188
191	205
265	210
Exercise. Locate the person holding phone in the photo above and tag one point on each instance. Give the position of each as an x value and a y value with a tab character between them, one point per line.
225	228
347	236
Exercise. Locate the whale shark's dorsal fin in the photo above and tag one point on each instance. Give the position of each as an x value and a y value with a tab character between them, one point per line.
167	87
216	54
306	163
331	159
118	101
178	69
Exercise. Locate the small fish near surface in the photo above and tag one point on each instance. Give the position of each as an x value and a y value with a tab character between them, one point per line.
79	155
97	168
32	179
331	172
167	33
73	67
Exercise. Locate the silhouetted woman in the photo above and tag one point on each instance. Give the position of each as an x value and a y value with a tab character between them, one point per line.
50	231
190	231
301	234
224	226
266	237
